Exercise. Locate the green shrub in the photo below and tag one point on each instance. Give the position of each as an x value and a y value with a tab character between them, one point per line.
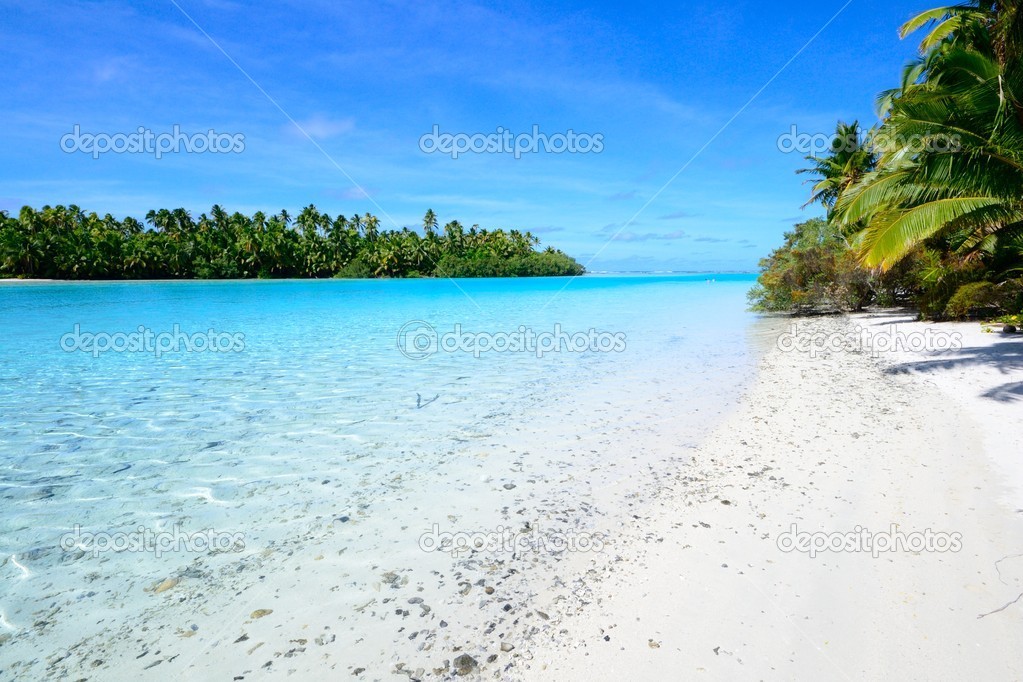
814	271
986	299
546	264
358	268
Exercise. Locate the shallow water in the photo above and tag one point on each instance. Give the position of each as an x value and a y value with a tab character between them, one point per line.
314	406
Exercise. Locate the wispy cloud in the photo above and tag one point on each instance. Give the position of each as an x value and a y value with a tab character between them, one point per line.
114	69
676	215
649	236
321	127
352	193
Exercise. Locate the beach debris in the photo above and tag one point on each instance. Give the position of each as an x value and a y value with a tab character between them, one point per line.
999	610
360	609
165	585
509	486
260	613
392	579
465	664
506	647
420	403
657	645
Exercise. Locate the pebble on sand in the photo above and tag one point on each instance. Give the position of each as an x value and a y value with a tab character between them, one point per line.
465	664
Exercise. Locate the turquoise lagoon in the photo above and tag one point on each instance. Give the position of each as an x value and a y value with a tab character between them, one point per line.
318	403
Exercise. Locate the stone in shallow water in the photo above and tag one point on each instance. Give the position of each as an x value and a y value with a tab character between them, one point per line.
465	664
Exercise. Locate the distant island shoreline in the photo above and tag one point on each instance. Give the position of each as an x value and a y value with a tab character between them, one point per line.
66	244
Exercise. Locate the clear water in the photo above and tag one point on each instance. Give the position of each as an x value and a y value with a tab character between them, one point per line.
320	408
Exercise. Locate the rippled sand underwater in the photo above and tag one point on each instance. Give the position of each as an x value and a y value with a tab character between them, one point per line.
325	426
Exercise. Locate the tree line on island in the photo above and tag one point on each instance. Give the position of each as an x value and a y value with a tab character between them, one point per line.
67	243
926	207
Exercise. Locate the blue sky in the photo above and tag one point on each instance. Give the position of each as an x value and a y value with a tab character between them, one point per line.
366	80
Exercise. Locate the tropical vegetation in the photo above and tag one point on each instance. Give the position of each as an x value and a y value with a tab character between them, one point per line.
927	207
65	242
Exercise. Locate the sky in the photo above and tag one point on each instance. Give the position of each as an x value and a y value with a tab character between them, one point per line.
327	102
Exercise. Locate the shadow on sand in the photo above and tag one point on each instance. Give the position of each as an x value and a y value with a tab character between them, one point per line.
1006	356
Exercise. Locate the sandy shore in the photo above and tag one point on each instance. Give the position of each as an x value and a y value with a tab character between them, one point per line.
828	441
693	576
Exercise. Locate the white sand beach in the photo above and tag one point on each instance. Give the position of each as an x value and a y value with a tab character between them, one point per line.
699	589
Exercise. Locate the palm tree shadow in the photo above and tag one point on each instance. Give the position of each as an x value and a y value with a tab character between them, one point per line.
1006	393
1004	356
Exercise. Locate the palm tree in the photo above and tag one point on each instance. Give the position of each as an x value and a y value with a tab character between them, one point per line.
430	222
847	162
954	165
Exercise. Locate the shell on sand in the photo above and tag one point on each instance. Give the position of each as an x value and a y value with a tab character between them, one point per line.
166	585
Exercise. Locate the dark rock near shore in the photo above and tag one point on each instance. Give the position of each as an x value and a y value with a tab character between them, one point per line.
465	664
